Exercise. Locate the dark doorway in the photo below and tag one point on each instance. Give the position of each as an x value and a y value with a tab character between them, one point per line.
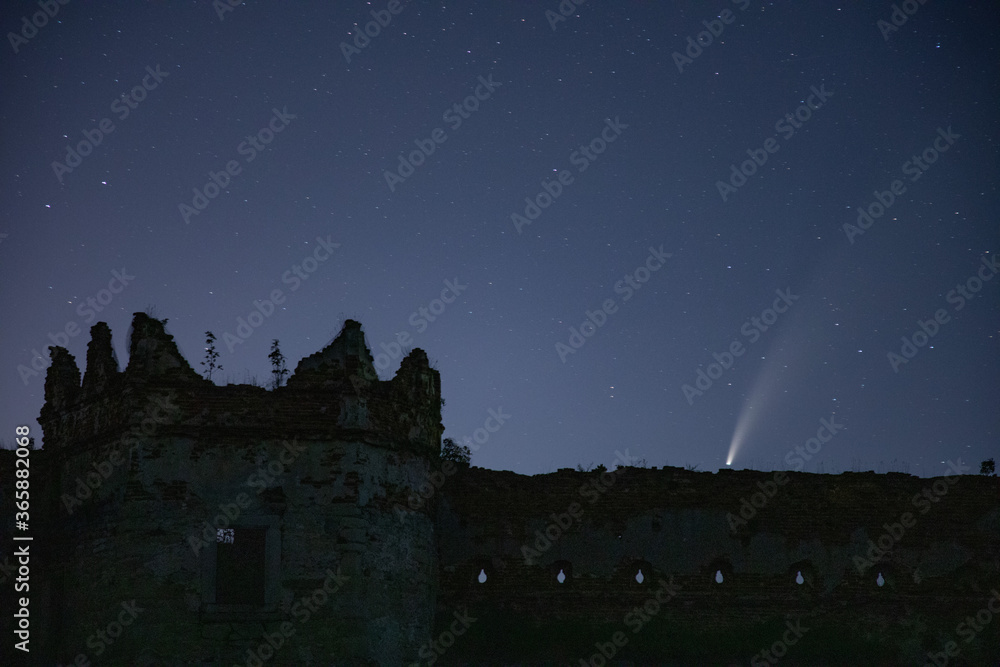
239	570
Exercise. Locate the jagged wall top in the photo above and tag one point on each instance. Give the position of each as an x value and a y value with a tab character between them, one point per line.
153	356
102	364
153	352
345	360
62	381
336	387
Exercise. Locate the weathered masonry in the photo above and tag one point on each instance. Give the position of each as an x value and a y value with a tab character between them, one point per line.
184	523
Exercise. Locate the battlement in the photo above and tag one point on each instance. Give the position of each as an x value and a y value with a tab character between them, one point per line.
333	390
144	468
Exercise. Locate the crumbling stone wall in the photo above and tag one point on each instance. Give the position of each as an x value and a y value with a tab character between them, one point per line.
935	543
144	465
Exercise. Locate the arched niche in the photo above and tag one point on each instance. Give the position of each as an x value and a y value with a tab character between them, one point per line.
719	573
482	572
803	579
638	573
882	575
561	573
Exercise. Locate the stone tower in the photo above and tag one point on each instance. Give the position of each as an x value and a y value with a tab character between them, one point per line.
221	521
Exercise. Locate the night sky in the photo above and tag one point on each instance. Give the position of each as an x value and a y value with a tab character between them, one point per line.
685	200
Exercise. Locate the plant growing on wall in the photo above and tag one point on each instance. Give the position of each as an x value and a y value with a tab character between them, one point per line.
211	362
451	451
278	369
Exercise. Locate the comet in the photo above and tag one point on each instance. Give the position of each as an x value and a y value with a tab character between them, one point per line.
772	378
759	398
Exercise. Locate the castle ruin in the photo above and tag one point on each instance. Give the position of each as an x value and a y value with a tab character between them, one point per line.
178	522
